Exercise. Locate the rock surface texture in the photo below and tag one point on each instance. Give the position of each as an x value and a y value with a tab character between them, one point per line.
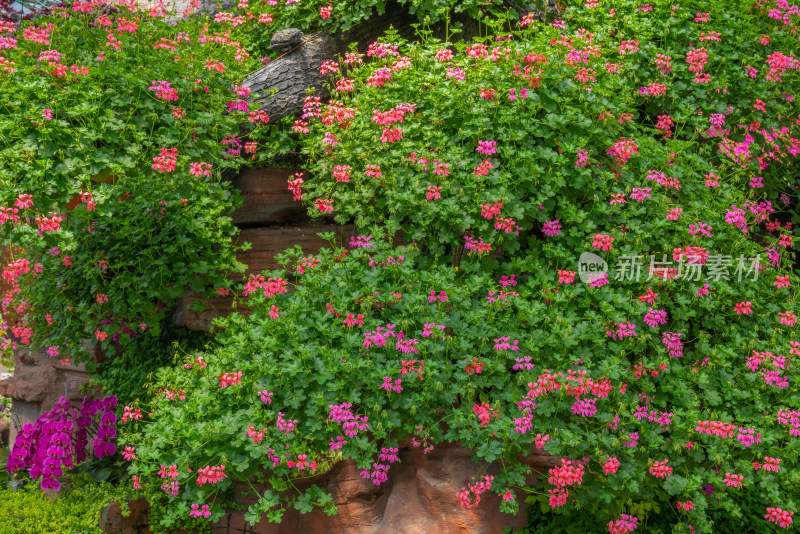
418	498
38	383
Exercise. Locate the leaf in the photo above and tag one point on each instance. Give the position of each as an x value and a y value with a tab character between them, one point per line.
675	484
490	451
275	516
252	516
278	484
269	500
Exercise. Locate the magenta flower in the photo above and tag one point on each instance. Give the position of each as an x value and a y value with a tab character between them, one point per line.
585	407
551	228
487	148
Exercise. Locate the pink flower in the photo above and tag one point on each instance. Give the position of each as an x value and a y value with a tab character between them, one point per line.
230	379
197	512
325	11
489	211
598	280
626	523
639	194
567	474
585	407
388	385
782	281
700	228
24	201
782	517
558	497
582	158
444	54
733	480
164	90
660	469
743	308
788	318
674	345
487	148
551	228
618	198
685	505
674	214
391	135
434	192
611	465
351	320
566	277
653	318
703	291
603	242
128	454
484	412
199	169
168	472
165	162
324	205
131	414
433	297
342	173
211	474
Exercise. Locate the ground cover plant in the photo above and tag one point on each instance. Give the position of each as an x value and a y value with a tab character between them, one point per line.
661	138
78	508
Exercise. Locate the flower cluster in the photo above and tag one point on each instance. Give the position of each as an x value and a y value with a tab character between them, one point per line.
57	441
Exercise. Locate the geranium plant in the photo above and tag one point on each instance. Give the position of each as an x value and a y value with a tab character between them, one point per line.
659	138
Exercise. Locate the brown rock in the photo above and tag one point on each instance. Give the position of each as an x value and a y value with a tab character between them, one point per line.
39	382
418	498
32	377
267	242
112	521
267	199
195	319
4	431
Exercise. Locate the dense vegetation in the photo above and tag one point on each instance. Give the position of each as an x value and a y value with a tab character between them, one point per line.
660	137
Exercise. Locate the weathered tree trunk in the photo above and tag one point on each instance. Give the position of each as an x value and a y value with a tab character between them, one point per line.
282	85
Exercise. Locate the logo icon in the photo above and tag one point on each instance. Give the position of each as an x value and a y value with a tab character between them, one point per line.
591	266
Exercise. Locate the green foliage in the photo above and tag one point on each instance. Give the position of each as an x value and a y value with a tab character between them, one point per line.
83	133
502	165
127	374
74	510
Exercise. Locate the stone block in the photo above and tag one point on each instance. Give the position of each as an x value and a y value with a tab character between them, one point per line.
267	199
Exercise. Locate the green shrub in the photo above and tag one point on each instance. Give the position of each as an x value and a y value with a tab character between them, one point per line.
75	510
